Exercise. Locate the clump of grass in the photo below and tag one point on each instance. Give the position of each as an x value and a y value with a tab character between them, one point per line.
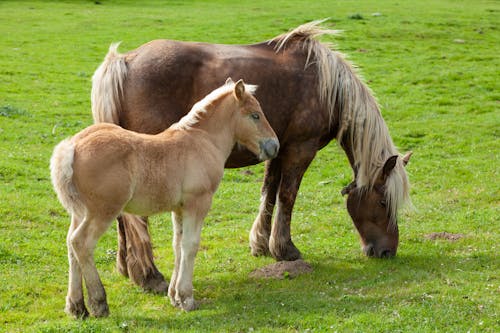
356	16
12	111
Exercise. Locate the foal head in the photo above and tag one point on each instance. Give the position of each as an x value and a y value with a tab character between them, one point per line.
372	214
252	128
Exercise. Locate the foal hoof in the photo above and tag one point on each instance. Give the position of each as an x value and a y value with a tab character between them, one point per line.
188	304
76	309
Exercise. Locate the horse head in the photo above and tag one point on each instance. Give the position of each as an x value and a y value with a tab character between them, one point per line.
253	130
370	211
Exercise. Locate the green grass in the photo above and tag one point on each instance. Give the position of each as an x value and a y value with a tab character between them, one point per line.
435	69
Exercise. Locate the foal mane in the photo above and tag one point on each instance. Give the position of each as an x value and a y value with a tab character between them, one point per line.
360	121
205	107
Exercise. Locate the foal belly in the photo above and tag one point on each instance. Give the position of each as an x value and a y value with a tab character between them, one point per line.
151	203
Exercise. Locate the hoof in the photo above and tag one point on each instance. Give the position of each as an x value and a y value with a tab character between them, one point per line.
260	251
286	253
76	309
188	304
99	308
150	282
175	303
155	283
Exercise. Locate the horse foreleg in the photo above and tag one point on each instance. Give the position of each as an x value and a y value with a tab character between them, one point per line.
137	256
294	162
261	228
83	241
75	305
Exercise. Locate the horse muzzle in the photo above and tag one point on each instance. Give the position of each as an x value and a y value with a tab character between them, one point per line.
372	251
268	149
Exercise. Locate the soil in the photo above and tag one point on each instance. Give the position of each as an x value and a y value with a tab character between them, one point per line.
282	270
444	235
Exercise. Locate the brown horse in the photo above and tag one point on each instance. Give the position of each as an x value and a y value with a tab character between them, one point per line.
310	94
105	170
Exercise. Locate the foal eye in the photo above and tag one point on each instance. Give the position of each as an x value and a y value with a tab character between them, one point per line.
255	116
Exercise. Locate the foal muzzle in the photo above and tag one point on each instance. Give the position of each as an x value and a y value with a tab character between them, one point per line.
269	149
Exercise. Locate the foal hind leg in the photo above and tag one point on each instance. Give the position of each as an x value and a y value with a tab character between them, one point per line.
135	254
75	305
294	164
261	228
83	241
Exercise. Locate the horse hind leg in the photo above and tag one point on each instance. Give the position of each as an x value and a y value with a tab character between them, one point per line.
83	241
135	254
75	305
261	228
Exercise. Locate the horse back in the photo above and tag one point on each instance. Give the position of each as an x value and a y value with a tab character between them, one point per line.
165	78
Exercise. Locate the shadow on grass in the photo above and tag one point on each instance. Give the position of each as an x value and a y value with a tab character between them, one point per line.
335	293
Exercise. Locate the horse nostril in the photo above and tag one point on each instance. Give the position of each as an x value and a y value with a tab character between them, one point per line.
369	250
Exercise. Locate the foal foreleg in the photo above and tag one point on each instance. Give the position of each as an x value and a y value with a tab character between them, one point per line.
75	305
186	247
191	230
176	244
261	228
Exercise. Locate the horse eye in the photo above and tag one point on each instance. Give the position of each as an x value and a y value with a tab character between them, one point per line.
255	116
383	203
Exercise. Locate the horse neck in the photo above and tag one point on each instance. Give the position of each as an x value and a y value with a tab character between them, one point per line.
362	131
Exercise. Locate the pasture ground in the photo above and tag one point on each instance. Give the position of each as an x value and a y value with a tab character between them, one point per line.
434	67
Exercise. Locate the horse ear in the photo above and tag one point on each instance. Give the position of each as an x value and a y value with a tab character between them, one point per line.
239	90
229	81
348	188
389	165
406	158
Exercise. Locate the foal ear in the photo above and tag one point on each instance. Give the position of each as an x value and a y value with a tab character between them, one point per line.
229	81
389	165
406	158
239	90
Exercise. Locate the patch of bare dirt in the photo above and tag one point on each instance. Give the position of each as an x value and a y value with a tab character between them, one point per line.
444	235
282	270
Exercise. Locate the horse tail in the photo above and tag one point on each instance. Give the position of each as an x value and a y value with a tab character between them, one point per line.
61	173
107	87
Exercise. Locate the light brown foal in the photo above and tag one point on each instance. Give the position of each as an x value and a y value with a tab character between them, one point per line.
105	170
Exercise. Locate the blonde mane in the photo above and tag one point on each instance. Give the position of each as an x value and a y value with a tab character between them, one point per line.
341	88
202	108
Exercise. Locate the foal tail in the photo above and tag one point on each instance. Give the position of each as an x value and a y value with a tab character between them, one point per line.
107	87
61	173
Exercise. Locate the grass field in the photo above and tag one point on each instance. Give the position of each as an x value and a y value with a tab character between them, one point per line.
435	68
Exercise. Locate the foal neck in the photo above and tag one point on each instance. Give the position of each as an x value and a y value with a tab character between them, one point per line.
215	120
